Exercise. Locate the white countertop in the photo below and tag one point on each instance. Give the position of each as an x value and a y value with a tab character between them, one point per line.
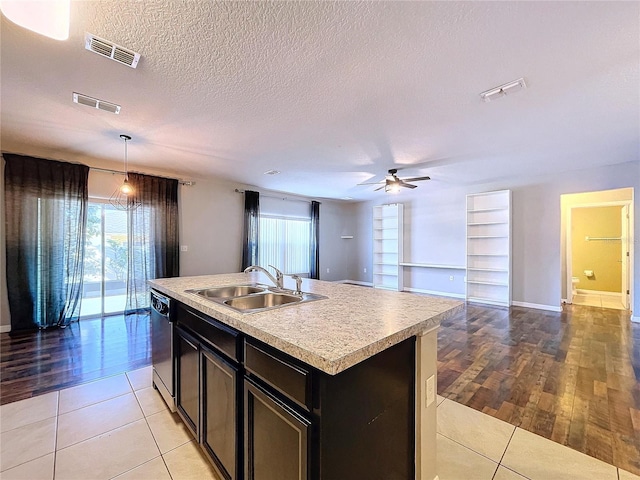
333	334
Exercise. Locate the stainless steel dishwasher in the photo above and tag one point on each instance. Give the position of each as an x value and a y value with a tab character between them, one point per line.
162	348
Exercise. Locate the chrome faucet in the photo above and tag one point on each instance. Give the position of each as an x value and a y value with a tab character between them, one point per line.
278	280
298	279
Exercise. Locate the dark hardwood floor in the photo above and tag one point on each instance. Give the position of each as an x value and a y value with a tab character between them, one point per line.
49	360
572	377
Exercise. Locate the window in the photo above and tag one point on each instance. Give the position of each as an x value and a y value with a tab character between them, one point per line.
284	235
284	243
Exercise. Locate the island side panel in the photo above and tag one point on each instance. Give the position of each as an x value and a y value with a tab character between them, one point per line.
367	418
426	404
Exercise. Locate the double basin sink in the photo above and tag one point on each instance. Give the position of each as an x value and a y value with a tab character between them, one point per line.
254	297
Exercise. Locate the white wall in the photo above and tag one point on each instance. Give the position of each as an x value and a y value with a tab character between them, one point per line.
435	223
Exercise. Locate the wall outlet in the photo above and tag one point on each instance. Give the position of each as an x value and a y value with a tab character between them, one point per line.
327	270
430	391
184	248
365	269
451	278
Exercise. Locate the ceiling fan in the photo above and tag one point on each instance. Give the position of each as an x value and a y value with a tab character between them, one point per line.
392	183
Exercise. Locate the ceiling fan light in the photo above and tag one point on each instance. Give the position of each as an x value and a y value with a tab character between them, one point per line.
45	17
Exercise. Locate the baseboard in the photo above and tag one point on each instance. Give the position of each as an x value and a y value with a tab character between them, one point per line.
537	306
5	328
582	291
433	292
355	282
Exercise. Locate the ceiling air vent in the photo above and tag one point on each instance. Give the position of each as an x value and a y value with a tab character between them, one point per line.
111	50
95	103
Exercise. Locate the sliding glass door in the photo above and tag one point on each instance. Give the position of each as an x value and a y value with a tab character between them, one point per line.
105	261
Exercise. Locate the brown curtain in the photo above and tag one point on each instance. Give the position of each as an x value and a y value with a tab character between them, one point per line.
46	215
152	236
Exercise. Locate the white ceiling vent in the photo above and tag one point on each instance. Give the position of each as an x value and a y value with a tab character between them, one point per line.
95	103
111	50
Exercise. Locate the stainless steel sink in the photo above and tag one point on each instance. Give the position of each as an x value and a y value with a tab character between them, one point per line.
230	291
260	302
253	297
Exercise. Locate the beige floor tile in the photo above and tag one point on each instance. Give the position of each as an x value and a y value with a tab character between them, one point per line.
151	401
38	469
29	410
505	474
152	470
107	455
624	475
26	443
481	433
94	392
538	458
168	430
141	378
189	463
96	419
456	462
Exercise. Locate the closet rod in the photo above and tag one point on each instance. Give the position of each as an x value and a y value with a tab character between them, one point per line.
120	172
588	239
280	198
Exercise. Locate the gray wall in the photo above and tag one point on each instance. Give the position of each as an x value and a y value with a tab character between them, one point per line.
435	230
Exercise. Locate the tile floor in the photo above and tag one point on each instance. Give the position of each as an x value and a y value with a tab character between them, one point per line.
597	300
119	427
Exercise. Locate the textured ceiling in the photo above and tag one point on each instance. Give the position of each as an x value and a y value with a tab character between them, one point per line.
332	94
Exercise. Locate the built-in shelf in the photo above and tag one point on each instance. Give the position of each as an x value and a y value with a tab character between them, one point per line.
387	246
489	248
431	265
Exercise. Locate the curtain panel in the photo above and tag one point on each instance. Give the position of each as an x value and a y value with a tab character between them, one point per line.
251	228
314	243
153	242
46	215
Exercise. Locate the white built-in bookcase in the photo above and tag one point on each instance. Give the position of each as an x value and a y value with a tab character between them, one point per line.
489	247
387	246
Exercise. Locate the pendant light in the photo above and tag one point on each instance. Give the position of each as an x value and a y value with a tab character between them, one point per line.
45	17
125	198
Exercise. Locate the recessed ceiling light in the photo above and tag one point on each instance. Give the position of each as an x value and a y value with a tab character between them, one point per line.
272	172
503	90
346	198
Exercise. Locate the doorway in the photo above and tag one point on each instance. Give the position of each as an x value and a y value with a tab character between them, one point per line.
598	252
105	261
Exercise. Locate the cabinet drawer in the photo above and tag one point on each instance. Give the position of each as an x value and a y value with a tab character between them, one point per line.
286	376
210	331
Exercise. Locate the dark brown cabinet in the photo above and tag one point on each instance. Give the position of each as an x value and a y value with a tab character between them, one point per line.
188	379
209	388
276	437
261	414
219	412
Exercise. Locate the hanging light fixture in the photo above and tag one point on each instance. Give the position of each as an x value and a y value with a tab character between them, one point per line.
46	17
124	198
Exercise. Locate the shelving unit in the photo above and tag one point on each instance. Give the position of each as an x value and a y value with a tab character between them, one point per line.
489	248
387	246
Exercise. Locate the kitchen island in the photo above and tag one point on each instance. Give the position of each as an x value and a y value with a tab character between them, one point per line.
337	388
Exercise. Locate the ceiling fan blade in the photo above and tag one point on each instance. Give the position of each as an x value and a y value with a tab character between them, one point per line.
415	179
379	188
371	183
407	185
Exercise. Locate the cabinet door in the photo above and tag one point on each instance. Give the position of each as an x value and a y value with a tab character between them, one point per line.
276	438
219	414
188	381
